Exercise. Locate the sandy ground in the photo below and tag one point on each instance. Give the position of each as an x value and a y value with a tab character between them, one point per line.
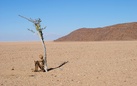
84	64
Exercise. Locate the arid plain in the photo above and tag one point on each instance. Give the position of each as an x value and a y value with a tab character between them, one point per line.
101	63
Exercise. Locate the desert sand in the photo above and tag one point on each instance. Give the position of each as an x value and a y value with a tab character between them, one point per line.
108	63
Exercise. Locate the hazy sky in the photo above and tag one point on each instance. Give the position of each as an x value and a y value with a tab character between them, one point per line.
61	16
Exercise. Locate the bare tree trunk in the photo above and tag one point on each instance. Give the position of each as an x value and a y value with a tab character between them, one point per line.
45	55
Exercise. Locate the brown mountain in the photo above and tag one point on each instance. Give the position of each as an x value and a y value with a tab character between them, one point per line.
125	31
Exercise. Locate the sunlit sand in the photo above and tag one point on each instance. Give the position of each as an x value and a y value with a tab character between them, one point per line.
108	63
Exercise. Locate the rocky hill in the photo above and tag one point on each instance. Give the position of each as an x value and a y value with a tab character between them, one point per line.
125	31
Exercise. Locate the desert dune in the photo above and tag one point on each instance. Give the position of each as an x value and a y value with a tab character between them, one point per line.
101	63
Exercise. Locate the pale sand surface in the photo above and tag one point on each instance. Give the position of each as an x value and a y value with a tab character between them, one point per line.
112	63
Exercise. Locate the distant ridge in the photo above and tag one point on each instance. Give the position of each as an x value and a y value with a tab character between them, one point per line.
125	31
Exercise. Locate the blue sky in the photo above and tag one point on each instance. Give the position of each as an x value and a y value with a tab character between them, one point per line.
61	16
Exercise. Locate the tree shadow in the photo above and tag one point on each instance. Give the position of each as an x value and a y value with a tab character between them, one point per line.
58	66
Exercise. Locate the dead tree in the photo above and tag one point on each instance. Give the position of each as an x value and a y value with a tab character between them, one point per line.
36	22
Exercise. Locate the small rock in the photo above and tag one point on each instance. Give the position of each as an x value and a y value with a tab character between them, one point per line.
31	75
124	80
97	77
55	76
12	68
